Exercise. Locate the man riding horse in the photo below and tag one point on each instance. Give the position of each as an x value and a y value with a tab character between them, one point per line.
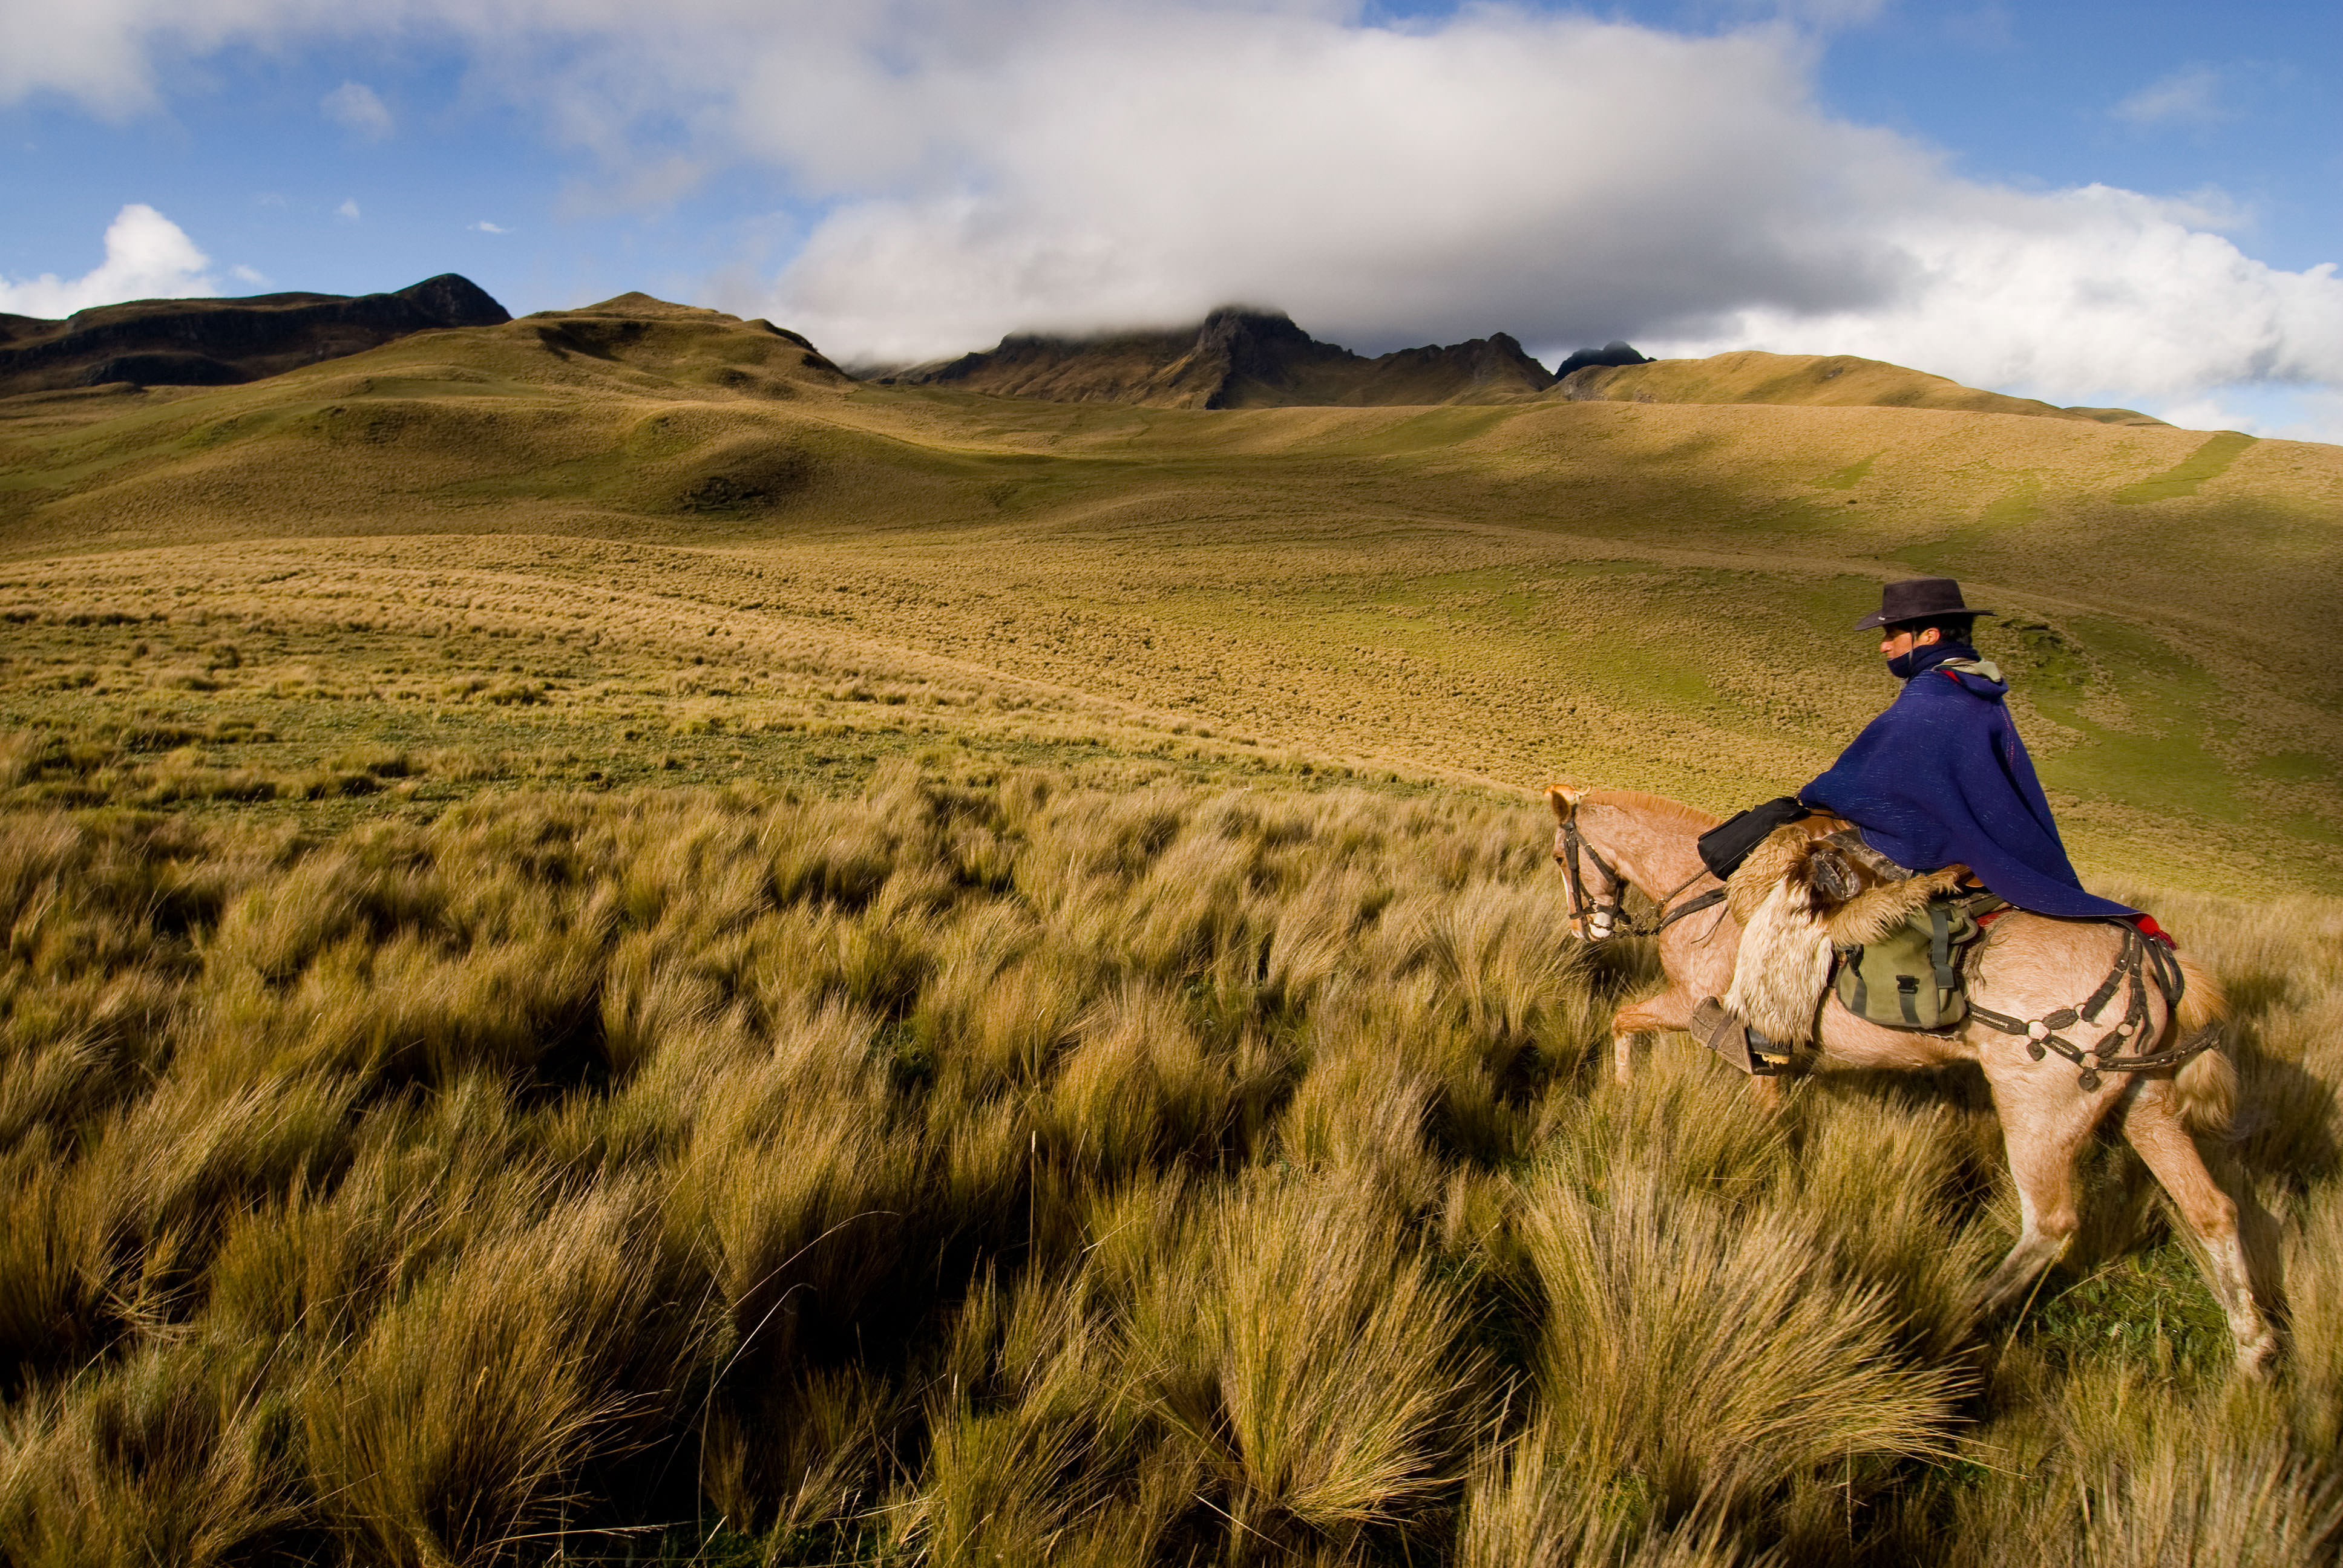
1939	778
2071	1011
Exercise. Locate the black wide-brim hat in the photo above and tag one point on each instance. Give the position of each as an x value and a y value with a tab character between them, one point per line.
1917	598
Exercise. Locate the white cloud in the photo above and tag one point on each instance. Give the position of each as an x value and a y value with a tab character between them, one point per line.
148	256
2192	96
1825	15
354	106
246	275
1562	178
103	53
485	226
349	209
1565	180
2066	296
976	166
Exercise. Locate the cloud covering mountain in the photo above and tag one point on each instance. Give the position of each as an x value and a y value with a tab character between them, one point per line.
965	168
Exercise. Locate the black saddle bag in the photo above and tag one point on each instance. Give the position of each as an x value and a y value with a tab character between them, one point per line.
1723	847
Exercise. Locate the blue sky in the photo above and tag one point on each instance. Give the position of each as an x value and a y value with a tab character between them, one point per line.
2091	202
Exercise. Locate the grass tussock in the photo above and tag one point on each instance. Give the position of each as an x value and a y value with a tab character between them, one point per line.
989	1168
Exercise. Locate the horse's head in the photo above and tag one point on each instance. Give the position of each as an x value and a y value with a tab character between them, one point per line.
1596	889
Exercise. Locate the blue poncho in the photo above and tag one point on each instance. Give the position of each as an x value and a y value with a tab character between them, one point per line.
1941	778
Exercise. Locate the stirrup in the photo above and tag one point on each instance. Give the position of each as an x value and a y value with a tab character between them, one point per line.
1735	1041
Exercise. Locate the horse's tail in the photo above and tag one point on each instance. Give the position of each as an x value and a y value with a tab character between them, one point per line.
2206	1085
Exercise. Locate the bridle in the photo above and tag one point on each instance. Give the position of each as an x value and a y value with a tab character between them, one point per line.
1603	915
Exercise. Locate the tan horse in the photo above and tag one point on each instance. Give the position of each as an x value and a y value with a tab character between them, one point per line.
2028	965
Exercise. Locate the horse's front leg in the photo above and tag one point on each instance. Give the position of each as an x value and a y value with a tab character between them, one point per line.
1669	1009
1672	1009
1632	1024
1623	1053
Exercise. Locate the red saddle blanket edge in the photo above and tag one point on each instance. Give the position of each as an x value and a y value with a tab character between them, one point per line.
2146	924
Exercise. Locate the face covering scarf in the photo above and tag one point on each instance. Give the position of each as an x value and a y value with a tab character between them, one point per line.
1927	657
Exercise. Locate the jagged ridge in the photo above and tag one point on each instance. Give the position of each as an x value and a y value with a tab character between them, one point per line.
221	342
1237	357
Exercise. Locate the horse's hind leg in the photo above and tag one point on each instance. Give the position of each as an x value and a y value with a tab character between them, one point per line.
2162	1141
2042	1128
2046	1201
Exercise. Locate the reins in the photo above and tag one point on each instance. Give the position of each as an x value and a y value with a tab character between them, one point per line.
2141	961
1597	916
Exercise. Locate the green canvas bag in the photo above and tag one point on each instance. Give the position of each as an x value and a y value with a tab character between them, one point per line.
1910	978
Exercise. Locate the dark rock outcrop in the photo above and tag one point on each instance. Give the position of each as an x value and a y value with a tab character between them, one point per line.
216	342
1612	353
1237	358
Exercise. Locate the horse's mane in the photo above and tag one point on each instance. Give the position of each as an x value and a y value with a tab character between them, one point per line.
1673	812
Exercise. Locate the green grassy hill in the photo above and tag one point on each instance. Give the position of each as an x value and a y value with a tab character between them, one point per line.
1646	594
1817	380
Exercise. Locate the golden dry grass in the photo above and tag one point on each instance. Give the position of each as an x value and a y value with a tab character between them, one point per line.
988	1166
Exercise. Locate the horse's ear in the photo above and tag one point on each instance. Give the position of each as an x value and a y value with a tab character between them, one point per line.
1564	800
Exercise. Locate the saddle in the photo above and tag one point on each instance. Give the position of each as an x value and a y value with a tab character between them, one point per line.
1817	907
1820	909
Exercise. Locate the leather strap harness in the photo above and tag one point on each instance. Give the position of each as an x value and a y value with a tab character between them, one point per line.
2142	959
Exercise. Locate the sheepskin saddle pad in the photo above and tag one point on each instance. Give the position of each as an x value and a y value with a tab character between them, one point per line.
1798	898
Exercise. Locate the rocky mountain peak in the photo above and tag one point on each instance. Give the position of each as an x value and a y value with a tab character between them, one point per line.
220	342
1615	352
1238	357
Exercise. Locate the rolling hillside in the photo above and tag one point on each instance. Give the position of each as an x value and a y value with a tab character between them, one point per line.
1653	594
1815	380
